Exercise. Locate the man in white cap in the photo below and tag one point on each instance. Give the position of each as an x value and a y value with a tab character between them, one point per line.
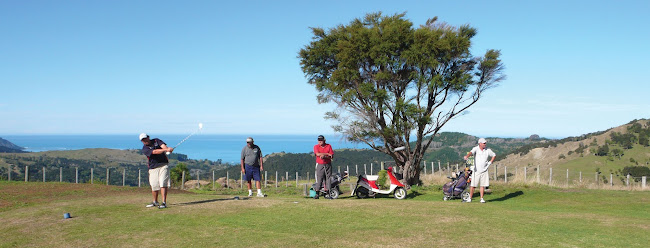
251	165
157	162
480	175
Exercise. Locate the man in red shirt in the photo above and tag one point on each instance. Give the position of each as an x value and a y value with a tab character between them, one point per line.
324	154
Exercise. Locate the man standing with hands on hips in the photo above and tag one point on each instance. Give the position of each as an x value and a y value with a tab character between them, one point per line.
324	154
155	150
251	165
480	176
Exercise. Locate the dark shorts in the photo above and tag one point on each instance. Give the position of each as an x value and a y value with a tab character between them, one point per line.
252	172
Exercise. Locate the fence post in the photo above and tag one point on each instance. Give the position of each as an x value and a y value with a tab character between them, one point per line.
550	175
495	166
439	166
276	179
60	174
26	173
266	178
567	178
495	172
371	169
348	169
297	179
227	179
286	179
123	177
448	167
627	181
356	168
9	174
505	174
538	174
381	165
525	174
643	180
76	174
365	169
183	181
108	175
92	175
241	180
214	186
611	181
43	173
580	176
339	172
596	179
433	170
198	184
139	176
425	167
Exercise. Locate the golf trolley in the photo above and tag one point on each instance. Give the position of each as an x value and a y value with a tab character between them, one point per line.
334	191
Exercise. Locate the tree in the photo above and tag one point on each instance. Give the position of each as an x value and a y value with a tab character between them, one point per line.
392	82
176	173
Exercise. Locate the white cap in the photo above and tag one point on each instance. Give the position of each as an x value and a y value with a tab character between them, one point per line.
249	139
481	140
143	135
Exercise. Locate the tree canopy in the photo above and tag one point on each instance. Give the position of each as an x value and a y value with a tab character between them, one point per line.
392	81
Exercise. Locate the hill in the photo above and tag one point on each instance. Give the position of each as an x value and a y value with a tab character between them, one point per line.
8	147
616	150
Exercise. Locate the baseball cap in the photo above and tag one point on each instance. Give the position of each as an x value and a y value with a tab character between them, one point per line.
249	139
481	140
321	137
143	135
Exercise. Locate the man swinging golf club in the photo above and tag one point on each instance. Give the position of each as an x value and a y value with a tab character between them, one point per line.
155	150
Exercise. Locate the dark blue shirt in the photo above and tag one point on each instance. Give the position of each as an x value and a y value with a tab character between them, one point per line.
155	160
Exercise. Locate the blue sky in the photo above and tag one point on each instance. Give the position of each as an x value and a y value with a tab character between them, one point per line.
122	67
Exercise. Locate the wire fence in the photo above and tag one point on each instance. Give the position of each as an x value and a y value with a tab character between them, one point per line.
205	178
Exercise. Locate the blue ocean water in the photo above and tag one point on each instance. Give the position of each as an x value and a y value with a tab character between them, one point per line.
200	146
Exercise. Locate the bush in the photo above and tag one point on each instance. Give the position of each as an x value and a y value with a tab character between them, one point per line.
383	177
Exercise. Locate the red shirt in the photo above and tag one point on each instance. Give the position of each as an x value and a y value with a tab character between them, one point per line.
327	148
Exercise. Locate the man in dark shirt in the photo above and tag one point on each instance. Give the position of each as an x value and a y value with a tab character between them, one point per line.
155	150
251	165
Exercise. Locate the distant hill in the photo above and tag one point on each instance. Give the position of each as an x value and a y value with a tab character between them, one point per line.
616	150
8	147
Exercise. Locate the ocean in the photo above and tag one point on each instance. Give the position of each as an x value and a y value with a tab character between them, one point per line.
200	146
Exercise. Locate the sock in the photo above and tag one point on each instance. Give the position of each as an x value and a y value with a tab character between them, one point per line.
250	191
259	191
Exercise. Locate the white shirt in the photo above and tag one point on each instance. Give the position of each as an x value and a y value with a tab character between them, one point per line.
481	158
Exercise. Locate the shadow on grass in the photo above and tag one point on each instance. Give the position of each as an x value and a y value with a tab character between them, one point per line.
508	196
212	200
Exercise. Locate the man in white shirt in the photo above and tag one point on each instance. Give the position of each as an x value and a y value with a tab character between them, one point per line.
480	175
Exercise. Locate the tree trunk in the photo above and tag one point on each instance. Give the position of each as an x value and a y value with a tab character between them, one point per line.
411	172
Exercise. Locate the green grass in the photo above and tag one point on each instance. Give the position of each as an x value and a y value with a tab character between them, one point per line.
515	216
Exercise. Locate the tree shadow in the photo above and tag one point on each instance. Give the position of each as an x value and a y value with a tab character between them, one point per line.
508	196
211	200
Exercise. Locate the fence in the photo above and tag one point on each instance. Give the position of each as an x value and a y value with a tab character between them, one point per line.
525	174
558	178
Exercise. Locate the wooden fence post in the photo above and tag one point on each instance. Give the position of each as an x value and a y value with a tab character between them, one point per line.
580	176
567	178
9	174
92	175
425	167
26	173
123	177
643	180
495	172
365	169
296	179
433	170
198	184
596	179
357	169
214	186
525	174
60	174
43	173
538	174
266	178
241	180
286	179
505	174
183	181
550	175
108	175
276	179
227	180
371	169
627	181
139	176
611	179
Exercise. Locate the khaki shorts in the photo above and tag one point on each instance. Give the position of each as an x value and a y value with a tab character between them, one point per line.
159	178
481	179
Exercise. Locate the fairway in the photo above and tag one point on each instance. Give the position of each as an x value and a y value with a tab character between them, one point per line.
515	216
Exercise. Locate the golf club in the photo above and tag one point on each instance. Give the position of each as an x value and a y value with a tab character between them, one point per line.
179	143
